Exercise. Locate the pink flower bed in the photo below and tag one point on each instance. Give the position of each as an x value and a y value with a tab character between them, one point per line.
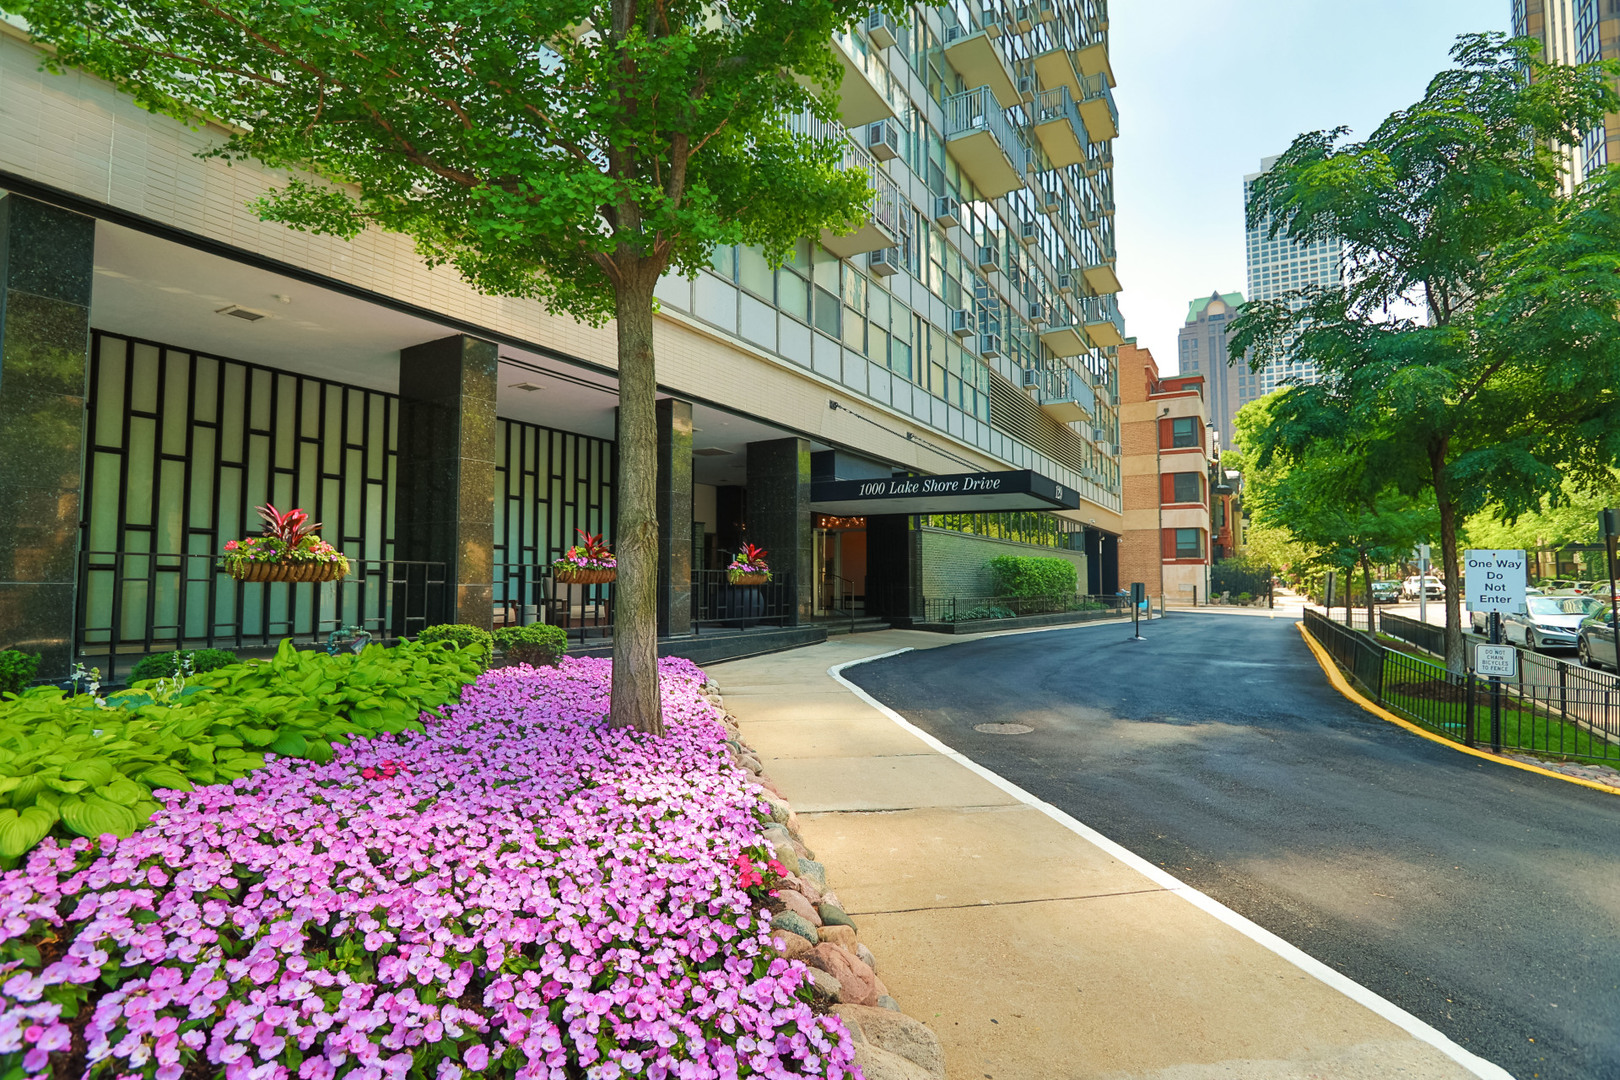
519	892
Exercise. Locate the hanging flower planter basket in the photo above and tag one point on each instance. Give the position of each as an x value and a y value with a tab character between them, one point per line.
288	551
582	576
749	567
287	571
750	579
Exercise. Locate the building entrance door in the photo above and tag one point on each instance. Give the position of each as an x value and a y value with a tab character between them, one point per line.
840	564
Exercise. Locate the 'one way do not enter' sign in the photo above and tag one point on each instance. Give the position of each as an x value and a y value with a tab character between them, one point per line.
1494	580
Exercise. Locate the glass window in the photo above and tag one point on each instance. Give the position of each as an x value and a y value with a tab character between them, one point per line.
1183	431
1186	488
827	313
754	272
1189	544
793	294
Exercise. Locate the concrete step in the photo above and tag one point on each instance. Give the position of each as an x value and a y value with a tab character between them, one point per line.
862	624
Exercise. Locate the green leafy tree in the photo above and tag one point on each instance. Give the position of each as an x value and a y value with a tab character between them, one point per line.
1341	512
1573	519
1505	384
572	152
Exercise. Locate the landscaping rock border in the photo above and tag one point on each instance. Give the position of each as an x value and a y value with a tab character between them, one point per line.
812	926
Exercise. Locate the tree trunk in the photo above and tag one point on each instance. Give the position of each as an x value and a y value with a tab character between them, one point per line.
1366	582
1456	658
635	700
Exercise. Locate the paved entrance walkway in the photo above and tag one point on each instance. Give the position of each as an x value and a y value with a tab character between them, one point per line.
1035	950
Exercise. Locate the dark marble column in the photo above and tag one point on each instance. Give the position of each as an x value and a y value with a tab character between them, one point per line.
1094	561
444	508
47	260
893	568
779	511
674	517
731	514
1110	565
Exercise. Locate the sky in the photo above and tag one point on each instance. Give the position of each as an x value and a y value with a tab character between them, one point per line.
1209	87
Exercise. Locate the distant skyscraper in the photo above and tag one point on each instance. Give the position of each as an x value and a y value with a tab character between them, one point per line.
1577	32
1201	348
1277	266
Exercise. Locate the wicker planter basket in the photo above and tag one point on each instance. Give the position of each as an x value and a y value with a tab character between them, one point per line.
583	576
287	571
750	579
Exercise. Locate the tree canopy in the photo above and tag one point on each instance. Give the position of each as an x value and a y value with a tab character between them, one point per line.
1503	382
571	152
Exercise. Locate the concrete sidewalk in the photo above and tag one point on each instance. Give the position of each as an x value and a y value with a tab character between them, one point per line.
1035	952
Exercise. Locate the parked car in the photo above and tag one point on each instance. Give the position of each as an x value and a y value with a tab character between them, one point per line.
1552	585
1549	622
1595	640
1386	592
1575	588
1432	586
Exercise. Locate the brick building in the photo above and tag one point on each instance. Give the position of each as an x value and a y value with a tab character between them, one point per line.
1166	456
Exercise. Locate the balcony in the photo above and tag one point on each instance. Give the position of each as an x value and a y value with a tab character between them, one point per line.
1059	128
1097	107
880	227
977	58
1104	324
1102	279
984	142
1064	338
1055	68
866	90
1093	60
1073	401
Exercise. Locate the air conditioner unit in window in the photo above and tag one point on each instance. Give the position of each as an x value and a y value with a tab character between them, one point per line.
1099	434
1051	201
954	32
946	210
883	140
881	29
989	346
1037	311
884	261
987	258
1045	10
1031	378
1025	18
991	23
1026	87
1066	284
1027	232
961	322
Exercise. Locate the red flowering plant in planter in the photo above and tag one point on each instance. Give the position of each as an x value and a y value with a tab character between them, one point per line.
749	567
289	550
590	563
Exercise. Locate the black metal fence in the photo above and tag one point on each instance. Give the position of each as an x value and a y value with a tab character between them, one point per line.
717	602
1426	636
1552	708
955	609
528	593
135	603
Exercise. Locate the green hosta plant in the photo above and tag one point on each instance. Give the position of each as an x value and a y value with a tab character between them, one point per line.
17	670
73	765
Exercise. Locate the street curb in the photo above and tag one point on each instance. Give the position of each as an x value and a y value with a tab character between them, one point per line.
1337	980
1342	685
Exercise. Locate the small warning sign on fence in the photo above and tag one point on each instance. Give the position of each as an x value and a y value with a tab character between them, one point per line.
1501	661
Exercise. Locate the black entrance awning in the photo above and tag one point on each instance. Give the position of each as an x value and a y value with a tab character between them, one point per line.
959	493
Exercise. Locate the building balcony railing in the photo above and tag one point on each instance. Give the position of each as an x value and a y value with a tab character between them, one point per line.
1064	338
1097	107
984	142
1072	400
978	59
880	227
1105	326
1054	68
1058	126
1092	60
1101	279
866	90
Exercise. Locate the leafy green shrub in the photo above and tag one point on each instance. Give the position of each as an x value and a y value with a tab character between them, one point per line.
991	611
1244	597
461	636
1034	575
535	645
165	665
16	670
72	766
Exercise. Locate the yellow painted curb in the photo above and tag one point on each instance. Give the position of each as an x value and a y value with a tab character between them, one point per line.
1342	685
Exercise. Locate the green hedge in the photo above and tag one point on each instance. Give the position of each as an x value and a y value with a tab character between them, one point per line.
167	665
73	765
461	636
536	645
17	670
1034	575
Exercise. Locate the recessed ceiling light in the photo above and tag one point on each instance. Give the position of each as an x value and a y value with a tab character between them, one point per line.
525	386
245	314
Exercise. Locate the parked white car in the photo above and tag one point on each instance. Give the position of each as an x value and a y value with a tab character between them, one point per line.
1414	586
1549	622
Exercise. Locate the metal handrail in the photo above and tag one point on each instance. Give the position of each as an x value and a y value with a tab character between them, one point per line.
1093	87
886	205
1097	309
978	110
1058	104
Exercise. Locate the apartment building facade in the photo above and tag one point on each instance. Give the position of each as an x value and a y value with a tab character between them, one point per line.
1169	451
1577	32
192	361
1201	346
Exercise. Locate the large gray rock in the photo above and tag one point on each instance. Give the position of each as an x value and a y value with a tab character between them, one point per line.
809	868
833	915
876	1063
785	855
797	904
859	982
866	954
826	985
795	924
779	808
896	1033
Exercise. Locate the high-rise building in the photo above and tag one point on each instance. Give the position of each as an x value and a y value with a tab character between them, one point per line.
1279	266
1577	32
1201	348
453	443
